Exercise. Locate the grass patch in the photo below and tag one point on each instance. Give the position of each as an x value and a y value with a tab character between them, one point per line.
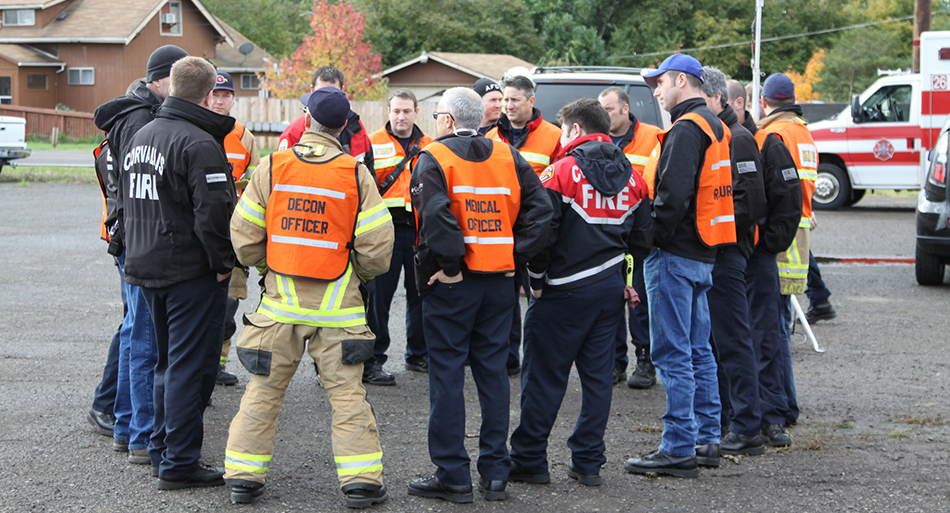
46	145
844	425
897	434
933	420
49	174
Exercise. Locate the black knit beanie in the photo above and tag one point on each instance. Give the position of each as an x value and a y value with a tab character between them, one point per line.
161	60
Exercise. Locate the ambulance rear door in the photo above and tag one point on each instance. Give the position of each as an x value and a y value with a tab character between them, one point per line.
935	92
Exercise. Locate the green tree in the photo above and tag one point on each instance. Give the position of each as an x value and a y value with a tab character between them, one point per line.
401	29
852	63
277	26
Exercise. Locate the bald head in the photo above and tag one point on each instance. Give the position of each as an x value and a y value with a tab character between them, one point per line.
737	98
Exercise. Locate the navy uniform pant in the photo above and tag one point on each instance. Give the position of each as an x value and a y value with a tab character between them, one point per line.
381	291
103	400
638	321
189	329
765	318
816	290
469	319
732	341
564	328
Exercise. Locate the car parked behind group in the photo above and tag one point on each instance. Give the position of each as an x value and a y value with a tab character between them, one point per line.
12	140
557	86
933	216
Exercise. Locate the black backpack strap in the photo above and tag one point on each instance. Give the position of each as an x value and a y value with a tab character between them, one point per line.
391	179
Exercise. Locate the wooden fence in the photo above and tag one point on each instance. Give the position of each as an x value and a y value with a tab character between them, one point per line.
40	122
274	112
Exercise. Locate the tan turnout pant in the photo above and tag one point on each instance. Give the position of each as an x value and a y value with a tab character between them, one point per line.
356	447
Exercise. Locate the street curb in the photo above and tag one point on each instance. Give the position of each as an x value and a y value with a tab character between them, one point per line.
864	260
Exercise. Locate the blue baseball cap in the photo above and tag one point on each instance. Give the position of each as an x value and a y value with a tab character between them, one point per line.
675	62
328	106
223	82
778	87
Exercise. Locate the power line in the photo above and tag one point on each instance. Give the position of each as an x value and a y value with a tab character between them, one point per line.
777	38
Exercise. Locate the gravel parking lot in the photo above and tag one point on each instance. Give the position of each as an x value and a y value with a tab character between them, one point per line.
872	436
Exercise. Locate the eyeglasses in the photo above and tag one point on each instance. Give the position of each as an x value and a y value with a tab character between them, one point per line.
435	115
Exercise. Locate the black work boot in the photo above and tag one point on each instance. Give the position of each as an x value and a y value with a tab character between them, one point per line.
820	312
364	495
374	374
645	375
224	377
244	491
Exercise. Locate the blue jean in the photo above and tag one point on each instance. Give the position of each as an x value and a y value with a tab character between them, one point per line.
816	290
103	400
134	410
680	350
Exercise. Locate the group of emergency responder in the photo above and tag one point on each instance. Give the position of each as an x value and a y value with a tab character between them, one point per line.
599	220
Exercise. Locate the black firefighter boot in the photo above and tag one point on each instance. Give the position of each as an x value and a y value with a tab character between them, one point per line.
645	375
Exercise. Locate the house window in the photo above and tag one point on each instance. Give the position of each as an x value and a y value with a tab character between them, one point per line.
6	90
170	19
19	18
81	76
36	82
250	81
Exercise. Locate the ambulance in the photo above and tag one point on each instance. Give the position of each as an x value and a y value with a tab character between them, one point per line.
883	140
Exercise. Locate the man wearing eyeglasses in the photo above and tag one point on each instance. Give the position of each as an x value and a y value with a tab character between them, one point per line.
480	211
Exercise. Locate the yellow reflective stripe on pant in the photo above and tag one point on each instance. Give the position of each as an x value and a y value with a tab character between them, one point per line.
359	464
254	463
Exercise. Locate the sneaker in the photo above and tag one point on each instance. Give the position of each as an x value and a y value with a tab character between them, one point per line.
204	475
364	495
417	364
645	375
584	479
139	457
374	374
244	491
225	377
736	444
777	436
822	312
620	375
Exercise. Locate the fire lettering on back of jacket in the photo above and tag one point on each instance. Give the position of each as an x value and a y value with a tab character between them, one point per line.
144	185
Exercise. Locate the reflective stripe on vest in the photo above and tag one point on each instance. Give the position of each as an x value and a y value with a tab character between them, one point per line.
359	464
485	199
639	149
538	147
253	463
715	210
801	146
387	154
311	216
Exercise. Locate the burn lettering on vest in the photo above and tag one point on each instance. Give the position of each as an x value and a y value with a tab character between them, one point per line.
723	191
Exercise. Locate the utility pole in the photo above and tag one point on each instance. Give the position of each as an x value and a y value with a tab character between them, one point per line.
921	24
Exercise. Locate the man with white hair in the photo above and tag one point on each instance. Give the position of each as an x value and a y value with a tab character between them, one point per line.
480	212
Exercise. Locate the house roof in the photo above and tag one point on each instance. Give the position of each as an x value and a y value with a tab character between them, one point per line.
24	55
229	59
27	4
479	65
96	21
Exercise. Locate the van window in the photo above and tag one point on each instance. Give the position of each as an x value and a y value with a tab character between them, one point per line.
549	98
889	103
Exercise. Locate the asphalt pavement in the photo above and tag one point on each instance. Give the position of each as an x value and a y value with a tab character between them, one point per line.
873	435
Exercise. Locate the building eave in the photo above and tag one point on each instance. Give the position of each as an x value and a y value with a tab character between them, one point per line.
43	40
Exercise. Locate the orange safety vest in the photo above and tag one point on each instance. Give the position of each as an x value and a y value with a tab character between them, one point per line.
238	155
538	148
638	151
805	154
103	234
311	215
387	154
715	211
486	198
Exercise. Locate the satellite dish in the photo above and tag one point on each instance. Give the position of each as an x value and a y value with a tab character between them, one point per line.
245	50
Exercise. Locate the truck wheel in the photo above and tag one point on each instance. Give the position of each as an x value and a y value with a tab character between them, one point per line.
856	195
832	188
928	268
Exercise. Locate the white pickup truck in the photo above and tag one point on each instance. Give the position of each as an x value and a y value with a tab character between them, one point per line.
12	140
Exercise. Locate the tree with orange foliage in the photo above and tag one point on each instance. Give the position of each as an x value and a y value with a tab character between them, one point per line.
337	40
805	82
